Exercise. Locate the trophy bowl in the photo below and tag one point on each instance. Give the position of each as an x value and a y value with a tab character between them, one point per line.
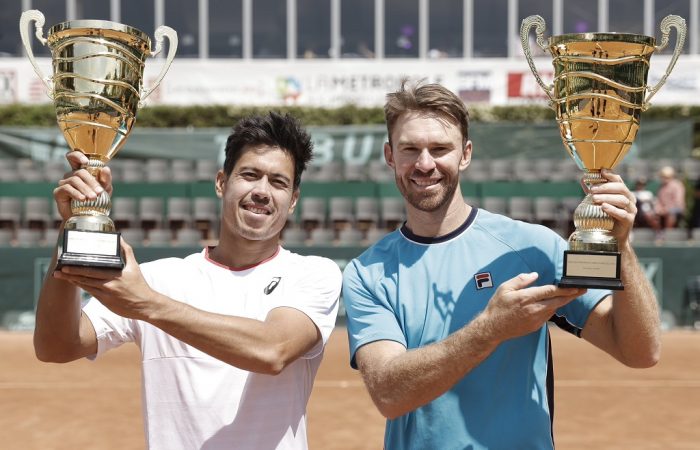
97	88
598	93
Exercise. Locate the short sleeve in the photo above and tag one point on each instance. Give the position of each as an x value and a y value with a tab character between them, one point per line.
370	316
573	316
316	292
111	329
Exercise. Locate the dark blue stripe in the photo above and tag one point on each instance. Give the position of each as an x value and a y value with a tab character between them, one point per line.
437	239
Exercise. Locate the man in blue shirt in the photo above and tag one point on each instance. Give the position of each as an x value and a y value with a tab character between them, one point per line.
447	316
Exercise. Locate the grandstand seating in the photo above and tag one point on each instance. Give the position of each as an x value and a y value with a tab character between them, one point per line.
37	212
29	237
179	212
124	212
10	212
187	237
292	236
366	213
134	236
205	215
159	237
643	236
520	208
172	202
150	212
496	205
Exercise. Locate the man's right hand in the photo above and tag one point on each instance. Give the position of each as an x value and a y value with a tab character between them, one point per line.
79	185
516	309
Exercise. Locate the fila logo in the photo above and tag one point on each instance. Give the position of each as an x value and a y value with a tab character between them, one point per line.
483	280
273	284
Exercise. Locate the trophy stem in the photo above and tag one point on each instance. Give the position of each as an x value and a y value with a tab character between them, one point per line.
92	215
593	225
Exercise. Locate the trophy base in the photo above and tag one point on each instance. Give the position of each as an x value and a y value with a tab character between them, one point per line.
90	249
599	270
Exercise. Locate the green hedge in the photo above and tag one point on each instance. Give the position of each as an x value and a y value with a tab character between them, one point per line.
200	116
226	116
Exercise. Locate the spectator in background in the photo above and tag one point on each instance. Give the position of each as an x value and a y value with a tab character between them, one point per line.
670	198
646	217
694	219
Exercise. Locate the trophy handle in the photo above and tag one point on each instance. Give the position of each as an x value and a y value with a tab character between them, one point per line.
538	23
162	31
34	15
678	23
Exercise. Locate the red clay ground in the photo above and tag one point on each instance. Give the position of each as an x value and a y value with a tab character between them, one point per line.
599	403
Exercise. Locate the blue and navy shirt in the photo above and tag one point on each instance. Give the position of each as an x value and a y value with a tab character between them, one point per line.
417	291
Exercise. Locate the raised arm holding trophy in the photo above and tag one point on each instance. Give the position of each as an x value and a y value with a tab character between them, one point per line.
97	88
599	91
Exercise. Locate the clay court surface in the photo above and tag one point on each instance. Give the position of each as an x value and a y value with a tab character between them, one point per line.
599	403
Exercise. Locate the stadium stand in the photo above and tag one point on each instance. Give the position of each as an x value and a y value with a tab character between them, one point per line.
375	234
159	237
187	237
337	197
37	213
157	170
10	212
128	170
205	215
182	171
150	213
501	170
675	235
313	213
292	236
124	212
341	214
695	235
321	236
178	212
134	236
477	171
379	172
546	211
523	170
350	237
366	213
496	205
392	212
29	237
205	170
520	208
355	172
542	169
643	236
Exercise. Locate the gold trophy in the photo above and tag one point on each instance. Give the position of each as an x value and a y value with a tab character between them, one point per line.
97	87
599	91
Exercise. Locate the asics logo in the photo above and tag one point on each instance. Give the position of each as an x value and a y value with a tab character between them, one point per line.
273	284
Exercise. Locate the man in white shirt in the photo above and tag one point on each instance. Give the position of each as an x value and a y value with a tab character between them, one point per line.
231	337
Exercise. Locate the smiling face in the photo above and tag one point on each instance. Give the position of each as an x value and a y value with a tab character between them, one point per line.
427	154
258	195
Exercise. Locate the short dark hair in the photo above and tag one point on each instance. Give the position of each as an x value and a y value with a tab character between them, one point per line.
432	98
273	129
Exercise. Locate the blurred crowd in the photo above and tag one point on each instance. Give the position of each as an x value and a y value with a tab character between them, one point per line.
666	209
